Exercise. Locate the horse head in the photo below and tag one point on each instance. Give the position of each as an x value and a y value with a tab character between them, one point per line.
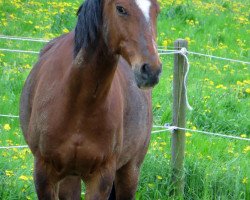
128	28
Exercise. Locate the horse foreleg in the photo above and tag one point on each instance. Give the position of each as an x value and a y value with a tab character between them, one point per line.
46	184
70	188
99	185
126	182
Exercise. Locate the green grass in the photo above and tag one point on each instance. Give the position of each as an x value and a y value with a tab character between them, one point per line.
216	168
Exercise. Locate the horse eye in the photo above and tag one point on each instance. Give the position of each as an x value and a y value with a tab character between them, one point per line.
121	10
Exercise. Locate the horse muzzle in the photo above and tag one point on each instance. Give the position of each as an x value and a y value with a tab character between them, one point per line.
147	76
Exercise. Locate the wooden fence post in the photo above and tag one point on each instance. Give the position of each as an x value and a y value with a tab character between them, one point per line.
179	120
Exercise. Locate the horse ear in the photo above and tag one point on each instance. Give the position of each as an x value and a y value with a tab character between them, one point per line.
88	25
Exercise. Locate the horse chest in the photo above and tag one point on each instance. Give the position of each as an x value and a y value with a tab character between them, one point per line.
79	154
80	138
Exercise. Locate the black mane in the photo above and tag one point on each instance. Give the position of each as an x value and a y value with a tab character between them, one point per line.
88	25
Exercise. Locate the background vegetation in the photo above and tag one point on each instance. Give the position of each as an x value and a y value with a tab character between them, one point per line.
218	91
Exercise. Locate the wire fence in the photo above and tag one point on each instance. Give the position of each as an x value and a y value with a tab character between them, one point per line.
162	51
23	38
19	51
171	128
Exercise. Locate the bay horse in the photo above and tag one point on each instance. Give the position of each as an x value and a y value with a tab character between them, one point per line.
85	108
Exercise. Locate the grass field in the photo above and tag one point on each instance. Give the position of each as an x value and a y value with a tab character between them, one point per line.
219	92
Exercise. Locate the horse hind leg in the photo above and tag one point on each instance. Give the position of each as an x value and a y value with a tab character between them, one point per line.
70	188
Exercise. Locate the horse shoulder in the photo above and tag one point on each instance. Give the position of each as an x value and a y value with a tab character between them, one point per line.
41	87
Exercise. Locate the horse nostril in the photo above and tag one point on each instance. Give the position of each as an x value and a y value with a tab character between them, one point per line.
147	75
145	69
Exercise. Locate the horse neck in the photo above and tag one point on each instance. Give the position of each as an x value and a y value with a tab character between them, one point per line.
91	76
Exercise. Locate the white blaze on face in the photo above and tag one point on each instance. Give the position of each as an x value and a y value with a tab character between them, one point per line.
144	5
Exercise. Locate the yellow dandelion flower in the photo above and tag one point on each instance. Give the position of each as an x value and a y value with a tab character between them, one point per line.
245	180
154	143
230	150
151	185
158	105
65	30
12	16
62	10
159	177
246	149
15	157
224	168
209	158
163	143
188	39
4	23
207	111
200	156
165	155
246	81
16	134
221	86
10	142
24	167
188	134
240	83
243	135
9	173
206	97
6	127
24	178
4	154
165	43
248	90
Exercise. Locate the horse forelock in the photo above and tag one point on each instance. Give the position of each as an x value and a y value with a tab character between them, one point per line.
88	25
